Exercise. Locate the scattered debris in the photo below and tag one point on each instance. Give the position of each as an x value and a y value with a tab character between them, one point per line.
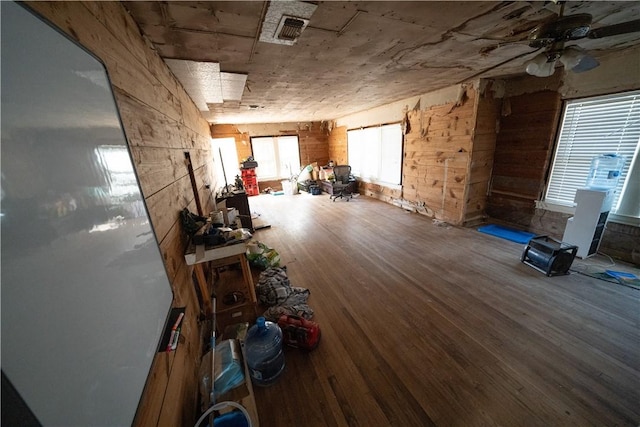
440	223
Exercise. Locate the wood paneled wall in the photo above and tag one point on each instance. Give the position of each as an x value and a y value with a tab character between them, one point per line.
314	144
482	156
161	124
437	154
448	153
338	146
524	148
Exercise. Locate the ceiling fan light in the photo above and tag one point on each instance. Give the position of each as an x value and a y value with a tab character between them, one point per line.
571	57
540	66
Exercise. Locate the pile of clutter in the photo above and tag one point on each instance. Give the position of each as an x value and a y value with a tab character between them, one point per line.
286	305
275	292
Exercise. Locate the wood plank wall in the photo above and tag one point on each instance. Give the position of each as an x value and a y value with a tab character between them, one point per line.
314	144
338	145
482	154
161	124
524	148
448	155
437	155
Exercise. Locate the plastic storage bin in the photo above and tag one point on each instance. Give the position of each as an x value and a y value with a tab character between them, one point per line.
265	357
605	172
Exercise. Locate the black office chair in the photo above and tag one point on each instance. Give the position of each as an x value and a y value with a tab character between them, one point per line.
343	185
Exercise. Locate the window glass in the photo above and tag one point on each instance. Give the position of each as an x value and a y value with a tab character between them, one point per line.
592	127
289	156
375	153
278	157
391	153
226	147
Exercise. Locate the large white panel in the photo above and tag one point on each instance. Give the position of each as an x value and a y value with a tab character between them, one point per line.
85	295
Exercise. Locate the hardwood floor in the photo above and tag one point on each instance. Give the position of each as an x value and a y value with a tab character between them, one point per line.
437	325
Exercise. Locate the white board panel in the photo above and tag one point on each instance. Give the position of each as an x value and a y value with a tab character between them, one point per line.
85	294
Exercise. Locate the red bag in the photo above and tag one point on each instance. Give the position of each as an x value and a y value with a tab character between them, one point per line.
299	332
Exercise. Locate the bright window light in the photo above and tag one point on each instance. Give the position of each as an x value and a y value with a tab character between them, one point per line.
278	157
375	153
592	127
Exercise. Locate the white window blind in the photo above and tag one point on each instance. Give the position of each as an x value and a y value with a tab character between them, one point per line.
375	153
592	127
278	157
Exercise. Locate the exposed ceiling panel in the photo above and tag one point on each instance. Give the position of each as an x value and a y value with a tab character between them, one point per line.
232	86
205	84
201	80
358	55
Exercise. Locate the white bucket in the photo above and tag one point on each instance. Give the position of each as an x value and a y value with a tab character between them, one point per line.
217	217
287	188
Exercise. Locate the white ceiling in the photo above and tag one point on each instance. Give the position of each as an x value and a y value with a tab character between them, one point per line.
358	55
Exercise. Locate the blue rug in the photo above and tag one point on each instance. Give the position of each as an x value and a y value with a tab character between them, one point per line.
507	233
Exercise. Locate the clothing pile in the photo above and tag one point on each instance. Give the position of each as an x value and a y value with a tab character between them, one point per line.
274	291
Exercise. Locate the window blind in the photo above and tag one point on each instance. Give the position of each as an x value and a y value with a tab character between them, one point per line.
375	153
278	157
592	127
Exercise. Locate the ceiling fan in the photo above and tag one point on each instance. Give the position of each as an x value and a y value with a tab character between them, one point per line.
552	36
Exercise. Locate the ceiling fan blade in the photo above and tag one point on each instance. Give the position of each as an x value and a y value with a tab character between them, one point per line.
615	29
564	28
587	63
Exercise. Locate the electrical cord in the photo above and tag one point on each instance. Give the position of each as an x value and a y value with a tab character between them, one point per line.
591	268
613	263
613	280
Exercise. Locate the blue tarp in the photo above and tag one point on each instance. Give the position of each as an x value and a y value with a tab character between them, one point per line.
507	233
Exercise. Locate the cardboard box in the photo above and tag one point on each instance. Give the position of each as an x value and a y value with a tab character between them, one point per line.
245	312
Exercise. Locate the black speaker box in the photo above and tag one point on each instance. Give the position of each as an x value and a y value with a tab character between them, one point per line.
549	256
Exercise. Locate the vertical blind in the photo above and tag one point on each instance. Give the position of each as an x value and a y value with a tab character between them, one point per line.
591	127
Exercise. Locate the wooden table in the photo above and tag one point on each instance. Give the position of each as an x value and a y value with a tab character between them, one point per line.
219	256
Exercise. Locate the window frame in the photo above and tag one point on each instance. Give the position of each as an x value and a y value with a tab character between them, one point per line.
568	136
280	169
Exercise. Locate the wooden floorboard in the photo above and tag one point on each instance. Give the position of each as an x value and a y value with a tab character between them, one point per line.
428	324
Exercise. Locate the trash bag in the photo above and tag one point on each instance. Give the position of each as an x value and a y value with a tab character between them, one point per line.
191	222
262	256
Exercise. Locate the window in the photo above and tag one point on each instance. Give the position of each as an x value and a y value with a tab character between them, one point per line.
229	161
375	153
278	157
592	127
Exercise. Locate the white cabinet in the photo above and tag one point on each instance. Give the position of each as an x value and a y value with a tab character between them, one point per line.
586	227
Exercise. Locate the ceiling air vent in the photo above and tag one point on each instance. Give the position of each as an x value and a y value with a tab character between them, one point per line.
285	21
290	28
